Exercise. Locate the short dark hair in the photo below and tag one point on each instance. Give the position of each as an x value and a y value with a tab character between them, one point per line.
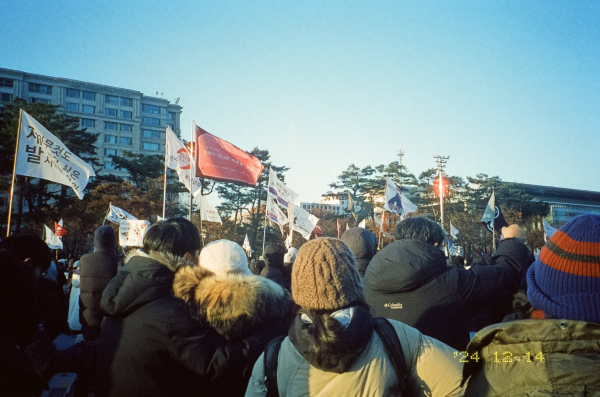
28	245
175	236
420	229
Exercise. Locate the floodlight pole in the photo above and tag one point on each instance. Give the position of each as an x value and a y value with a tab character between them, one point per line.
441	161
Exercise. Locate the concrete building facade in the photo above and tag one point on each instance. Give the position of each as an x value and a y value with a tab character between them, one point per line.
127	120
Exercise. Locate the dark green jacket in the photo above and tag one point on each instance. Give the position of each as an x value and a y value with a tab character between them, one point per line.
534	358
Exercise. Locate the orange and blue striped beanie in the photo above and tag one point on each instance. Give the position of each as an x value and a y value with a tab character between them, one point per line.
564	281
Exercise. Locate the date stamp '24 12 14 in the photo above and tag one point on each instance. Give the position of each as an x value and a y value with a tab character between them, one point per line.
500	357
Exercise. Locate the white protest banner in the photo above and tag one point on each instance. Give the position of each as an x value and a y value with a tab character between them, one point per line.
116	215
131	232
178	158
283	193
208	212
301	221
396	201
53	241
274	213
42	155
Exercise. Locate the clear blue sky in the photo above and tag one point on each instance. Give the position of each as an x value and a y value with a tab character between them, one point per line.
507	88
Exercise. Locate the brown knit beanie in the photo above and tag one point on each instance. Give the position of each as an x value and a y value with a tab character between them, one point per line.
325	276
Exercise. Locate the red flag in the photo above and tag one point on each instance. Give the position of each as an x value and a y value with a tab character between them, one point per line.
59	230
220	160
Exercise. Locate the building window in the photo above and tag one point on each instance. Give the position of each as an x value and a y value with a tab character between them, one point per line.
40	88
172	116
5	97
150	109
151	121
126	114
125	141
71	93
8	83
88	109
89	96
109	165
88	123
110	139
113	100
151	134
110	126
110	152
110	112
126	128
39	100
150	146
72	107
126	102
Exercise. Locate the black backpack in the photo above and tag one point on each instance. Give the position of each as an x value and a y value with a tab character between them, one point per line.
386	333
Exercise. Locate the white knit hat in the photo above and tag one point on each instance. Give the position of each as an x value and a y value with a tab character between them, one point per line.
223	257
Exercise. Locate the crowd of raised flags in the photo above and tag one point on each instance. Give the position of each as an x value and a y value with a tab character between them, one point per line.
40	154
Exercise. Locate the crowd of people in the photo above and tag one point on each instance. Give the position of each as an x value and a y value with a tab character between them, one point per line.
334	317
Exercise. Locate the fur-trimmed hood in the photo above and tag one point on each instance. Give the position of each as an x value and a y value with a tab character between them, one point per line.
235	305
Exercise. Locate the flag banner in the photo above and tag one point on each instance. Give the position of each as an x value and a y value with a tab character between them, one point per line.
220	160
339	229
246	245
116	215
363	224
160	218
548	230
454	251
288	240
301	221
131	232
59	229
492	218
453	231
42	155
358	207
283	193
274	213
347	226
178	158
208	212
396	201
52	239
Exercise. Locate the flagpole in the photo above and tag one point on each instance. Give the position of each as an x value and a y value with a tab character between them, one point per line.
190	181
165	183
265	227
12	185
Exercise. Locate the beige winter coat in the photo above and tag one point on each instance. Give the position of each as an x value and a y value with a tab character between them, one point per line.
434	368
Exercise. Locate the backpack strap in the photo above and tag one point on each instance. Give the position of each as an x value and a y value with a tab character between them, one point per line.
271	357
393	348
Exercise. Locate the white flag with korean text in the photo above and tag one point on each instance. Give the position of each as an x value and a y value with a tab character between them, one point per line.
131	232
301	221
42	155
116	215
274	213
53	241
208	212
177	157
284	194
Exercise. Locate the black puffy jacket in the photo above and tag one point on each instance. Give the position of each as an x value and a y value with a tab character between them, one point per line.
409	281
150	345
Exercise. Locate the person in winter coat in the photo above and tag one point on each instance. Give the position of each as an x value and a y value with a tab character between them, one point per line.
223	293
363	244
150	345
274	254
409	281
288	263
34	252
332	348
96	270
557	352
